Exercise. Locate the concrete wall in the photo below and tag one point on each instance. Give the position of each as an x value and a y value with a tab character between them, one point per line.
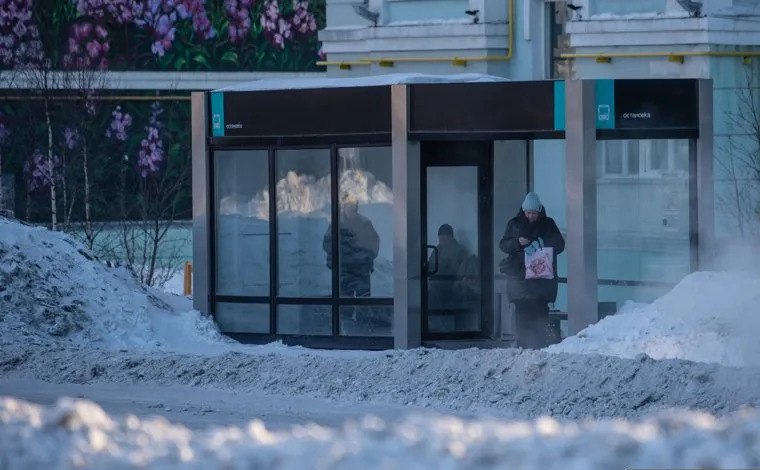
414	31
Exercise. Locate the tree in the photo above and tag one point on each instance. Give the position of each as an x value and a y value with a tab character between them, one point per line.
85	82
741	160
36	71
159	177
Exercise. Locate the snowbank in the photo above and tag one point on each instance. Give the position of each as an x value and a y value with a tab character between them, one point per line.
511	383
707	317
79	434
52	291
66	318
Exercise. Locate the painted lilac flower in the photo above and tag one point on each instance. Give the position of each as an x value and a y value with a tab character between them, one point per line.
163	34
159	18
87	48
119	125
37	171
276	28
304	22
70	138
239	16
196	10
4	131
19	36
116	11
151	153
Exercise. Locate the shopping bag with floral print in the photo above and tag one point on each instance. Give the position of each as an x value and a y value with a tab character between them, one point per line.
540	264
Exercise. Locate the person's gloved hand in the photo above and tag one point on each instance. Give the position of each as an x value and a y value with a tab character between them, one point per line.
530	249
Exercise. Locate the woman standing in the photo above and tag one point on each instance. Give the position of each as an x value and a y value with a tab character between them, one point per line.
528	231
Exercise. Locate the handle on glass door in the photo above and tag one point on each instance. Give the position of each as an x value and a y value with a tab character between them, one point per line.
435	257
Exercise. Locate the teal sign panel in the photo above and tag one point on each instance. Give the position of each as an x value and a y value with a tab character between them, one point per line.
605	104
217	114
559	105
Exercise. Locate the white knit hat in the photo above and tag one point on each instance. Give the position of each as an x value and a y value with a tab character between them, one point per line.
532	203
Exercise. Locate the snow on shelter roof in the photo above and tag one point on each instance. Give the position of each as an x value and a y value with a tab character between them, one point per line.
375	80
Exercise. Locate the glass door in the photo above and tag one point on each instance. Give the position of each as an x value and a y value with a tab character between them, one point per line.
456	287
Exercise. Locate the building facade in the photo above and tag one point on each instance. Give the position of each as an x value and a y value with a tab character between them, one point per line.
642	184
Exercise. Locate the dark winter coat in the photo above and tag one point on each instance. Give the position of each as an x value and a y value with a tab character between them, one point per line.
519	288
450	258
359	245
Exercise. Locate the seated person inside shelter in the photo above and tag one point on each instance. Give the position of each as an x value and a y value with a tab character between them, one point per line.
456	277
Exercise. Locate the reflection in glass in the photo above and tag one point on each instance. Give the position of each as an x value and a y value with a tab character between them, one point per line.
366	320
366	222
303	215
242	318
304	320
643	219
359	245
453	278
241	196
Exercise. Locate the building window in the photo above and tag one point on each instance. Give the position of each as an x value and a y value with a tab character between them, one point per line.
645	157
241	196
643	221
613	160
657	157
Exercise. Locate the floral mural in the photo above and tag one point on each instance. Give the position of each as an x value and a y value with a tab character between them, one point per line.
94	153
170	35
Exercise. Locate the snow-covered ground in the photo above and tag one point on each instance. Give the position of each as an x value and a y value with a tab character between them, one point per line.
671	384
707	317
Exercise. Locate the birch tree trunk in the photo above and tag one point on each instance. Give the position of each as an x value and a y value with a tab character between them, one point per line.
87	220
51	168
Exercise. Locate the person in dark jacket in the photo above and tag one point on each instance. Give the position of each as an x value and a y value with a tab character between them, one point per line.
447	262
359	245
451	254
528	230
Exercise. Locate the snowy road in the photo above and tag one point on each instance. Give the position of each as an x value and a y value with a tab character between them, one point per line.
201	407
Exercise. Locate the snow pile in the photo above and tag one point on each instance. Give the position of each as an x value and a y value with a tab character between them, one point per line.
511	383
707	317
79	434
62	315
52	290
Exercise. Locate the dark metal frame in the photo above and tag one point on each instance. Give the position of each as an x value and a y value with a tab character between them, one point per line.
693	207
485	238
274	300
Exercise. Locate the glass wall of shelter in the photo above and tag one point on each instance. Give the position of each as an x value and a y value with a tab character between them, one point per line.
285	285
644	216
